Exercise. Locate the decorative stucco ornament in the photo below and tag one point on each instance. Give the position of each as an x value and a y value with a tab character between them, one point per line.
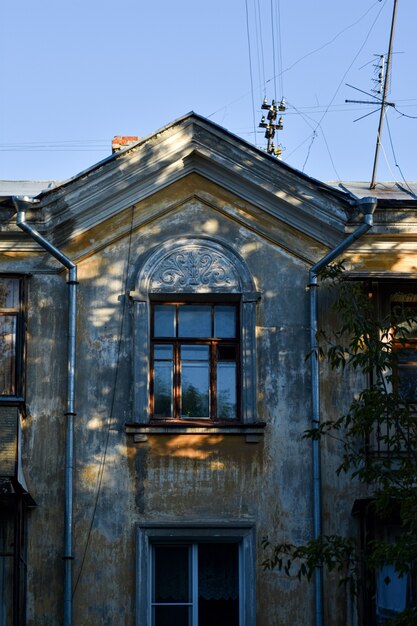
193	267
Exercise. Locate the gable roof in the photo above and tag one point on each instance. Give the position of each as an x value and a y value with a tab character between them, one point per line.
193	145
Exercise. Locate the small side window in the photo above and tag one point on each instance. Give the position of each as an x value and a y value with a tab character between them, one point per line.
11	337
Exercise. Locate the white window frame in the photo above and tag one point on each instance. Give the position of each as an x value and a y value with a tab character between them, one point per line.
241	533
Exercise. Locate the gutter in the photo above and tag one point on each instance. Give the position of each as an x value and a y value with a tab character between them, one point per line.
21	204
366	206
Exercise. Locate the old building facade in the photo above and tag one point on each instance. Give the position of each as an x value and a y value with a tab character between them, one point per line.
145	457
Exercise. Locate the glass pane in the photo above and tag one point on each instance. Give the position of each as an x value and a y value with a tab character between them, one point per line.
225	321
407	382
172	581
226	391
226	353
406	309
195	353
171	616
164	320
407	355
162	388
195	382
218	584
6	566
162	352
194	321
7	352
9	293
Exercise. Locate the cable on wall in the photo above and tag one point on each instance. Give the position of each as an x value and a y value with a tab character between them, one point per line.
110	417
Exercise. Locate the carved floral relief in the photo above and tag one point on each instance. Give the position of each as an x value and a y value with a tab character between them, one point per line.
194	267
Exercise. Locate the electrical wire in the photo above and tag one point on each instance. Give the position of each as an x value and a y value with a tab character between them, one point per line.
258	55
394	178
250	66
313	137
395	156
281	73
307	119
328	43
78	145
411	117
112	404
273	50
304	57
262	47
346	72
241	97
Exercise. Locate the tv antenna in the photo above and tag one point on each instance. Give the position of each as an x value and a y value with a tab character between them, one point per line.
384	70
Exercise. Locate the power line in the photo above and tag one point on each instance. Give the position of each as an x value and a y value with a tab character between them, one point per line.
250	66
281	73
262	45
411	117
273	49
258	56
351	64
303	57
394	155
313	136
328	43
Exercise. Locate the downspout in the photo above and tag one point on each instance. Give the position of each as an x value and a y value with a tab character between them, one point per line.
366	207
21	204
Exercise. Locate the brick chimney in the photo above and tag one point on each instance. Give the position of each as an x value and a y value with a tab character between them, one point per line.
120	142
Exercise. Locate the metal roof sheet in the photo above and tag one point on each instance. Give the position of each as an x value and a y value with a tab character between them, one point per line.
25	187
383	191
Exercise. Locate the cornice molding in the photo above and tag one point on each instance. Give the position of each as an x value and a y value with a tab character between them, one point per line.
303	216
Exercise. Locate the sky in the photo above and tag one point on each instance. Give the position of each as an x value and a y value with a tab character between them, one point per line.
77	72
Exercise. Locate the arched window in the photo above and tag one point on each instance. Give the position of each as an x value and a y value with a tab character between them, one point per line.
195	314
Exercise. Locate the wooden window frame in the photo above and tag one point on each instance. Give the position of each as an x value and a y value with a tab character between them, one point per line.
193	548
372	528
213	343
17	312
242	533
409	343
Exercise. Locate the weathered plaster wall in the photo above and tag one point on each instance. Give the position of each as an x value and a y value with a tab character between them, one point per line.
201	478
119	484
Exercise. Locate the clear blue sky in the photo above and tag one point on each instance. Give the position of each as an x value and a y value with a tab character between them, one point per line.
77	72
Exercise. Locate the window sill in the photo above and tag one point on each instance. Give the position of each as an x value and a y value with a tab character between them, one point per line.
251	431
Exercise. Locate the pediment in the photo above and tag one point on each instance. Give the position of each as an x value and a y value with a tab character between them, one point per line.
219	164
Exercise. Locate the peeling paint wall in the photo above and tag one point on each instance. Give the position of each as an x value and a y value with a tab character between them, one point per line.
167	478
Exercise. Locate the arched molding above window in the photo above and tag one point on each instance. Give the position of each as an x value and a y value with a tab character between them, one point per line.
194	265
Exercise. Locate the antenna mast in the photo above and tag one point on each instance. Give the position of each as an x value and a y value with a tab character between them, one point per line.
384	96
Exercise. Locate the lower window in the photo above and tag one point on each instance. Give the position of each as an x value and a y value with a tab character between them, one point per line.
384	594
196	576
195	584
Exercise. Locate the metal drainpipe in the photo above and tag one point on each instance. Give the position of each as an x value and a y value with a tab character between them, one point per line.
21	204
367	207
